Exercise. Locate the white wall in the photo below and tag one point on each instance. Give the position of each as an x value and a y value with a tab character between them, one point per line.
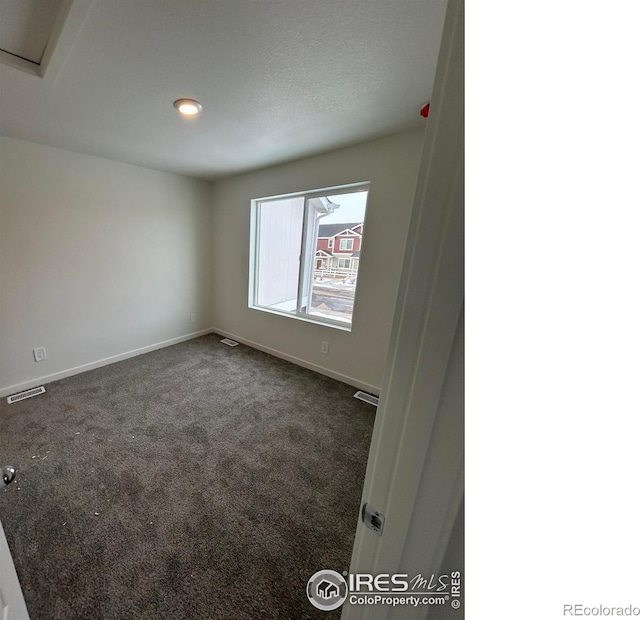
97	259
358	357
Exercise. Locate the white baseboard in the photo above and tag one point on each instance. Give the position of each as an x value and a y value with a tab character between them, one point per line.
372	389
63	374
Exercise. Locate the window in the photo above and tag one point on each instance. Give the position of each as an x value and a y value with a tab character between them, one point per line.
287	275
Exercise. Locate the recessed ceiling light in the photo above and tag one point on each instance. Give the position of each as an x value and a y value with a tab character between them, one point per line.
187	107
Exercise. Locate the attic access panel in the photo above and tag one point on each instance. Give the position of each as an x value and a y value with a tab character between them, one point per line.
36	36
26	27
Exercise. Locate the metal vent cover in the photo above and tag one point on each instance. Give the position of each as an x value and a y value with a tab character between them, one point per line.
367	398
229	342
26	394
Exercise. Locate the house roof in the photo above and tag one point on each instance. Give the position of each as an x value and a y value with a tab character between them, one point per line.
331	230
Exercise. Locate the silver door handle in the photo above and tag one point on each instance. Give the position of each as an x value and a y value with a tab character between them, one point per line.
8	474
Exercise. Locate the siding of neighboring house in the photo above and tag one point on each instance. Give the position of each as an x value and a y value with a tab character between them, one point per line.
355	248
323	244
329	256
280	233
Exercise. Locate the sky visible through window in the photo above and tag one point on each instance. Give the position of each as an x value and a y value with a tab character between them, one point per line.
351	209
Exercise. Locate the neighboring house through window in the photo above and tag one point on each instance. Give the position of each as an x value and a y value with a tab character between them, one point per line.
296	269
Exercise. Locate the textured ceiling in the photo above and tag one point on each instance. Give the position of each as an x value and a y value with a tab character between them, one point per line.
278	80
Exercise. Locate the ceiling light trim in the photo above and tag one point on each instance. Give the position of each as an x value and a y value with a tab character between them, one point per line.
187	107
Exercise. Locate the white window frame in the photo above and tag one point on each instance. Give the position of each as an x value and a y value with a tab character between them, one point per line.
330	244
345	260
307	255
345	242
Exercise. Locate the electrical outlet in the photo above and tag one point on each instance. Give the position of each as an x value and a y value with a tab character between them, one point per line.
193	317
324	347
40	354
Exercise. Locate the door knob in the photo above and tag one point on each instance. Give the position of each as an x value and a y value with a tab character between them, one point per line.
8	474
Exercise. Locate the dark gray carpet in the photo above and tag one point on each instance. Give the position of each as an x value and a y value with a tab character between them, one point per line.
198	481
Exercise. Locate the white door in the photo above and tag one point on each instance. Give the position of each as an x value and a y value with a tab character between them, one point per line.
415	472
12	605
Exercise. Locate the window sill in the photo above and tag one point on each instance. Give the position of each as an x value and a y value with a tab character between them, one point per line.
307	319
